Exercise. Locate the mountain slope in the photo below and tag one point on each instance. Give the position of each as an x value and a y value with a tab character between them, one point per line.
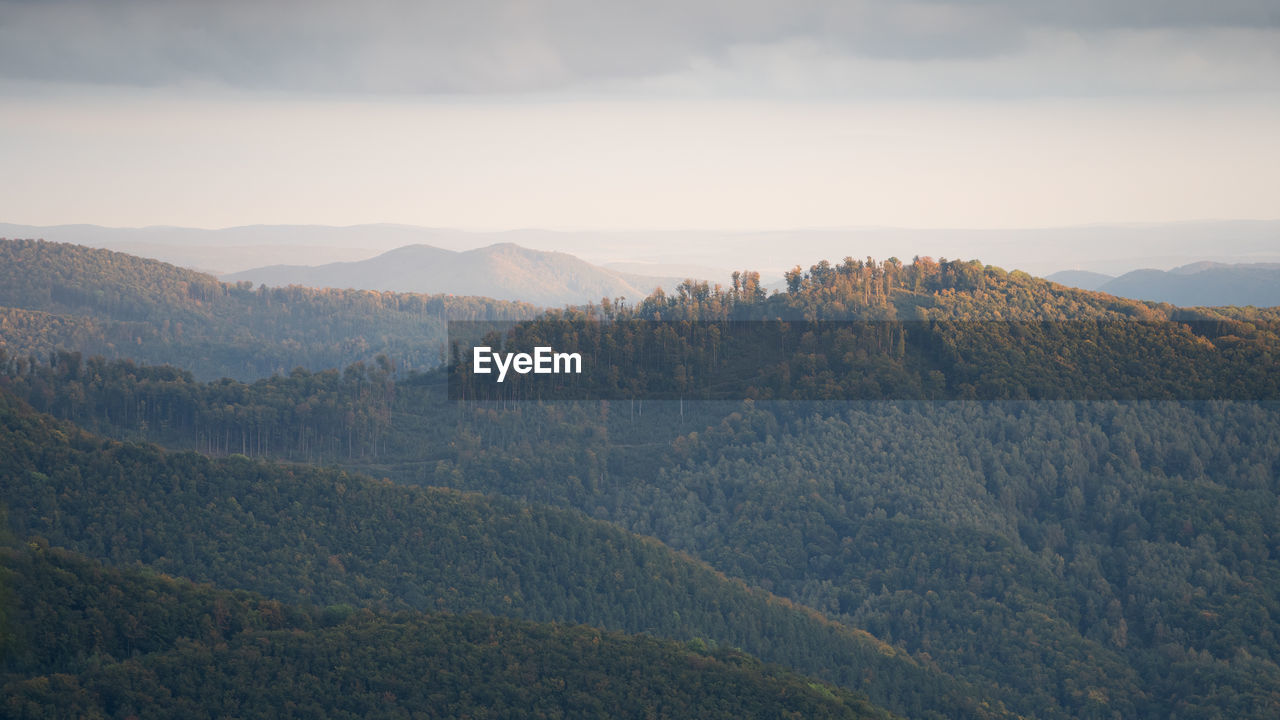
134	644
305	535
504	271
56	296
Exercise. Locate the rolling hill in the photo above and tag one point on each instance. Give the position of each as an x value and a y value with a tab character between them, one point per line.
304	535
1201	284
1083	279
1062	559
504	271
58	296
133	644
1110	249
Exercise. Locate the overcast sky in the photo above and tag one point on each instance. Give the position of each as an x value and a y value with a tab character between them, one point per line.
713	114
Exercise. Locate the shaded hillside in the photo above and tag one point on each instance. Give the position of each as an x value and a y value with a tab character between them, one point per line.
55	296
504	271
325	537
1086	558
1195	358
135	645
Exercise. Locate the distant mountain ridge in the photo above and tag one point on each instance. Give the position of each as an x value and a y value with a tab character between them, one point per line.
1194	284
1083	279
1110	249
503	271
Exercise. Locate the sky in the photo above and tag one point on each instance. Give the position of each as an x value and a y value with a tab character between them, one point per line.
603	114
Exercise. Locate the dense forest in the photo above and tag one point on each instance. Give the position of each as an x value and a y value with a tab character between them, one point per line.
300	534
1097	542
57	296
301	416
92	642
1100	556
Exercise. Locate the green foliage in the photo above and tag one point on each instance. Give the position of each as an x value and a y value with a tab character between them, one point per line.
929	331
300	534
1063	552
986	538
105	643
301	416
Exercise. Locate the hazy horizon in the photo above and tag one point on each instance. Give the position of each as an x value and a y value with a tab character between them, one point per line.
1111	249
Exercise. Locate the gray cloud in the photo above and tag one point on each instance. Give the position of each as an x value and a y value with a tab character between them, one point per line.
398	46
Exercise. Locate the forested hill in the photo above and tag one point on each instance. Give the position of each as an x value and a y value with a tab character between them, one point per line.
1086	559
66	297
298	534
1067	559
88	641
57	296
923	289
868	330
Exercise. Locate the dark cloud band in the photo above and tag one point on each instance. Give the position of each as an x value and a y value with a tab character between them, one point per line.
509	46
